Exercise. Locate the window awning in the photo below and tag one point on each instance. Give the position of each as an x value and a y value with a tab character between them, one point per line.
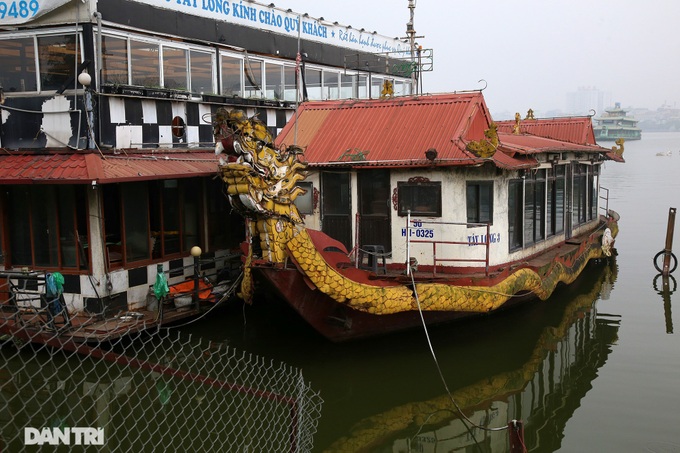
80	168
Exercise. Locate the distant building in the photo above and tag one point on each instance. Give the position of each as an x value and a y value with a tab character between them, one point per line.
585	99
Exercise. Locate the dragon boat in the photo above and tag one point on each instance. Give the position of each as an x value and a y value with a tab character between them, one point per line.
373	216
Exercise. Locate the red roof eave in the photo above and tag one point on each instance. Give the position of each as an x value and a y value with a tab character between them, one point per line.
91	167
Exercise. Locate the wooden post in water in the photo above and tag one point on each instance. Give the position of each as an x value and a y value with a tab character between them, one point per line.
668	250
516	437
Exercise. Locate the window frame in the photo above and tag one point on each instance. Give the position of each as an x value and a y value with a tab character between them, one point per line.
477	217
403	205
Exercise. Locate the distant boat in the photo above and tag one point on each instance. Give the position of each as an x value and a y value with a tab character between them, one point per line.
615	124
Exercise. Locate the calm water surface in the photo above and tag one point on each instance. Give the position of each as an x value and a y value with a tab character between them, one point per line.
595	369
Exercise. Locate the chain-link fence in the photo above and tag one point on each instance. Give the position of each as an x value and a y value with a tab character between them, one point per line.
138	390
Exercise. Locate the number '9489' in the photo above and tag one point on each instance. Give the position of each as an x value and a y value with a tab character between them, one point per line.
19	9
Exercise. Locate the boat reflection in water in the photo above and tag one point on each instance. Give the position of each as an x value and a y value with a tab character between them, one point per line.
544	392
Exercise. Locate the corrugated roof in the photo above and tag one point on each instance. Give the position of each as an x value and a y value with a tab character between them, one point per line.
531	144
85	168
389	132
577	129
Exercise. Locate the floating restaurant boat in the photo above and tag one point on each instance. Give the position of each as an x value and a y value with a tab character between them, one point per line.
107	168
616	124
372	216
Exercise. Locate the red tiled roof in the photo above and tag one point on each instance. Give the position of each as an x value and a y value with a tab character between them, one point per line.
577	129
85	168
389	132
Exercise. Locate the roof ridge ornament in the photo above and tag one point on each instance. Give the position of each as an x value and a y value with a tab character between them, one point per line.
485	147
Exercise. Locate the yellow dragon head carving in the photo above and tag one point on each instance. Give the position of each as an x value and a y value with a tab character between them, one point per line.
261	180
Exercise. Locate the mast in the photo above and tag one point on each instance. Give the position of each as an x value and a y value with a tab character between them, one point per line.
411	34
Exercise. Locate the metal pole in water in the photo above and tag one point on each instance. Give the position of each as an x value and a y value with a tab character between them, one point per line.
668	250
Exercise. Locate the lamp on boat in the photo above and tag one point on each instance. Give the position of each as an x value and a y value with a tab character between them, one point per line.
84	79
431	154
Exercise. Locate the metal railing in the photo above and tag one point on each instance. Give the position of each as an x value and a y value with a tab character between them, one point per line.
604	195
415	225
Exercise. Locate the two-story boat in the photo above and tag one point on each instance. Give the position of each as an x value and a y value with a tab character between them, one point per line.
616	124
416	209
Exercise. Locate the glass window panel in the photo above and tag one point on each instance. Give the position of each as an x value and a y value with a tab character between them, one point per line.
136	215
57	60
539	211
362	86
17	58
114	60
44	226
67	227
232	76
175	68
201	72
515	208
421	199
346	86
171	217
479	199
191	191
145	64
19	208
331	87
335	193
290	93
313	84
274	78
376	87
253	82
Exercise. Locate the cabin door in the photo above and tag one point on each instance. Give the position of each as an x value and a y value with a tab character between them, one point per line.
374	209
569	208
336	207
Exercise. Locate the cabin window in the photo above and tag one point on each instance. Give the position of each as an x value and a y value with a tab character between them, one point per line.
479	199
346	85
534	207
253	70
376	87
175	72
585	193
290	86
17	57
202	66
274	81
56	55
313	84
331	85
362	86
421	198
47	226
580	194
114	60
151	220
555	200
145	64
515	213
305	201
232	76
226	228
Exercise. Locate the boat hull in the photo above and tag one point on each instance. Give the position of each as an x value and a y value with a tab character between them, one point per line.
340	322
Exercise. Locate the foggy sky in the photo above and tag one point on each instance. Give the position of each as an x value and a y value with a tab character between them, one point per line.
531	53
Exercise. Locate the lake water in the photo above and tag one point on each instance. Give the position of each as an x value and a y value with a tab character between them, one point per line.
596	368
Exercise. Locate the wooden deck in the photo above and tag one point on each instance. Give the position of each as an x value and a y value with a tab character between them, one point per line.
34	324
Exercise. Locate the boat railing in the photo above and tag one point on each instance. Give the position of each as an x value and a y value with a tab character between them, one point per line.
415	225
604	195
